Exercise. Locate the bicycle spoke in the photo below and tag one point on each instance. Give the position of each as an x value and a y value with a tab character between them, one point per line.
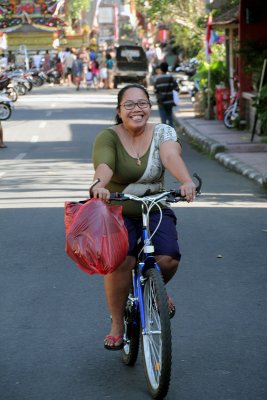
156	338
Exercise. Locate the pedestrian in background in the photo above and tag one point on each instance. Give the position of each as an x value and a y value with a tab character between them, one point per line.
68	62
109	65
37	60
164	84
77	71
84	56
103	75
47	61
11	59
60	69
96	72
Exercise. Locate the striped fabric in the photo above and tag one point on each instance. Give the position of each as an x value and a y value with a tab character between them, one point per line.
164	85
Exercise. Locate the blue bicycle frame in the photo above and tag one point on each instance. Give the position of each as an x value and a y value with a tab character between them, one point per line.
148	261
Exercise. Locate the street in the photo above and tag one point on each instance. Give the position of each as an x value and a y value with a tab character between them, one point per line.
54	316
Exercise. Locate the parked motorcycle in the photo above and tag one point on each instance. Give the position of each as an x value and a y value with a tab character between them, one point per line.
194	90
20	82
38	77
53	76
7	87
189	68
6	107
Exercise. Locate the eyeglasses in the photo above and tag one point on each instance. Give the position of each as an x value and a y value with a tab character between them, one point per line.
129	105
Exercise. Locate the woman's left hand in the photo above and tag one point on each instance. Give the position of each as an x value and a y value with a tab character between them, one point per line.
188	190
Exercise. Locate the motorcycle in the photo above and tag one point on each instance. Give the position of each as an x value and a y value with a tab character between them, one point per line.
7	87
20	82
189	68
194	90
53	76
6	107
38	77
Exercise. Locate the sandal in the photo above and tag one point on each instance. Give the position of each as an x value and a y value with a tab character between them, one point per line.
171	307
114	340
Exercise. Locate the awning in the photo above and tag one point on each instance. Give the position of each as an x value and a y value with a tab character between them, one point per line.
230	17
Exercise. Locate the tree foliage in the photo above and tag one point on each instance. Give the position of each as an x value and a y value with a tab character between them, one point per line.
76	7
184	17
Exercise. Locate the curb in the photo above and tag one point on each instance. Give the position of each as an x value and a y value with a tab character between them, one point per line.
218	151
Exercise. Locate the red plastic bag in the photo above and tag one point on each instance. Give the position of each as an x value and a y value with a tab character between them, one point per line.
96	237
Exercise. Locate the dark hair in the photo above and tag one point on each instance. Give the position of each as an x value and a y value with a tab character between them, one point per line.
118	119
164	66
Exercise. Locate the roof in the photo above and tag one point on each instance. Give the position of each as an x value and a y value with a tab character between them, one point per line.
229	17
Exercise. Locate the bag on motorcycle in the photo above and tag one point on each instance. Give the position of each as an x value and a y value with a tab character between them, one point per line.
96	237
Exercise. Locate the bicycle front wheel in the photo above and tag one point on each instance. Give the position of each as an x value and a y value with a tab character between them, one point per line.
228	119
156	339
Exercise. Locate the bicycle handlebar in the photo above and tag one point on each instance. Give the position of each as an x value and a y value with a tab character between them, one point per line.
171	196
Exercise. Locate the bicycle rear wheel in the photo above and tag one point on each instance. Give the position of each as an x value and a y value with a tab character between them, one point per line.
156	340
131	332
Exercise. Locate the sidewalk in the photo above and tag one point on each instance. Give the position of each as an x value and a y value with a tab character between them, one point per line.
230	147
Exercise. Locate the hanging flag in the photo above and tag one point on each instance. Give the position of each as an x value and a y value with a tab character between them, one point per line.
116	22
208	38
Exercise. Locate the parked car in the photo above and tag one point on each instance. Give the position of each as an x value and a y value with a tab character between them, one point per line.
130	65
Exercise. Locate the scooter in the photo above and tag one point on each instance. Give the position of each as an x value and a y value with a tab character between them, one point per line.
6	107
7	87
194	90
53	76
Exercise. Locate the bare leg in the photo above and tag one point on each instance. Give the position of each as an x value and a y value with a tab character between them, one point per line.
117	287
168	266
2	144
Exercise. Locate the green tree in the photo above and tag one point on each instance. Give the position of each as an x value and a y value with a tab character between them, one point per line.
186	19
76	7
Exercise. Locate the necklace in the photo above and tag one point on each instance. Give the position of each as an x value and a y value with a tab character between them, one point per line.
138	161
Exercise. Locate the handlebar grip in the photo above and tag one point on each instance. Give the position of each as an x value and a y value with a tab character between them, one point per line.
177	194
117	196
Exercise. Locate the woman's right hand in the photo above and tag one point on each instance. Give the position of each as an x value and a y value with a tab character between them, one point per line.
100	193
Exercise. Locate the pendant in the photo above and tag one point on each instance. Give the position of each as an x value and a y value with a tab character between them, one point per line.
138	162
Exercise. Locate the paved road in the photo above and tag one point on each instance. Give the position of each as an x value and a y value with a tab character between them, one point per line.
54	317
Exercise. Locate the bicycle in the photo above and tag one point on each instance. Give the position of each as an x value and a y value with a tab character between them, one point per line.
231	114
146	312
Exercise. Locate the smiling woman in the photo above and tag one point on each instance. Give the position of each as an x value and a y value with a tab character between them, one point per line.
131	157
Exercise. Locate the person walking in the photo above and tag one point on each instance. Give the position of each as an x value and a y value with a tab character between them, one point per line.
84	56
47	61
77	71
109	65
164	85
37	60
68	62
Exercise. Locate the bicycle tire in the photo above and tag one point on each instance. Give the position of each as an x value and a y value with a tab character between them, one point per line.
228	120
131	333
157	341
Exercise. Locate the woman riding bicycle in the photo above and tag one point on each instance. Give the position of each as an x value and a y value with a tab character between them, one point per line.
131	157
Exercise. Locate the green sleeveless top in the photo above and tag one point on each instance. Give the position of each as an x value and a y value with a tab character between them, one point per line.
129	177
